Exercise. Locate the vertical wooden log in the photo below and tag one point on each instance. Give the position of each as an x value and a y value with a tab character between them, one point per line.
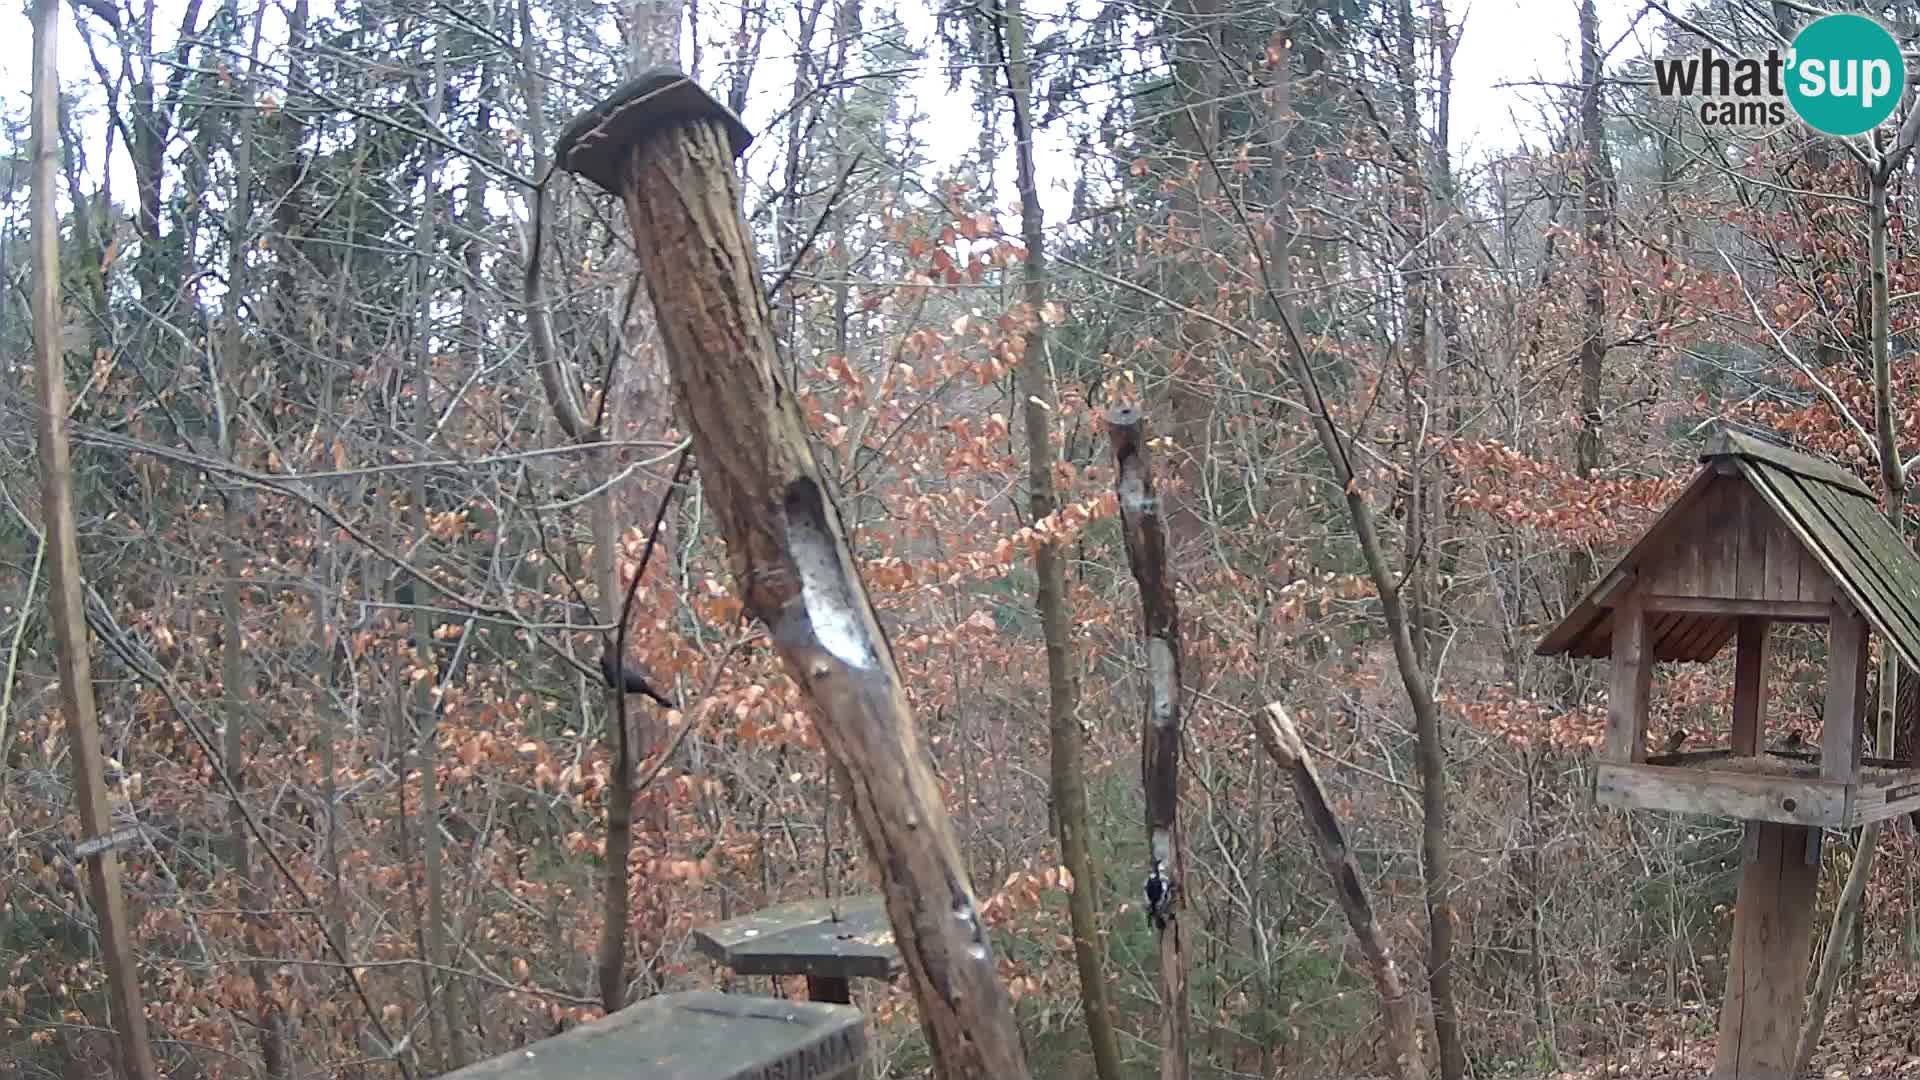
1145	534
1753	651
66	608
1772	927
1632	679
668	149
1846	670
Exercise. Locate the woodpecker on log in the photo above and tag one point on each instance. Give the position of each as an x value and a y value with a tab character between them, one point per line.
1159	895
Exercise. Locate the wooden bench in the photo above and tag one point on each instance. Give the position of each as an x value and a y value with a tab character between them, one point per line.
697	1035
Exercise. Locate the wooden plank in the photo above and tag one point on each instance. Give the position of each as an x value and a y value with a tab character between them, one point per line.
1863	563
1776	610
696	1035
1702	633
1784	556
1755	520
1723	632
844	938
1772	929
1718	540
1886	799
1632	680
1750	664
1846	669
1888	554
1793	461
1712	793
1579	624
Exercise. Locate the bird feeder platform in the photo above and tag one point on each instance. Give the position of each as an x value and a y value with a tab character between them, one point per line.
828	941
698	1035
1762	535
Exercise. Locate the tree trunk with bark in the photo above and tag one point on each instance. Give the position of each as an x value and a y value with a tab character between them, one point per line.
1142	527
1035	389
668	149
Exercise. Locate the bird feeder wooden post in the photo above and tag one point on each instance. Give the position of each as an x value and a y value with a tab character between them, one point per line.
1762	535
666	149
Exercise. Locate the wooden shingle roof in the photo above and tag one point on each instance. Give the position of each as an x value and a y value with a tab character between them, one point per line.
1830	512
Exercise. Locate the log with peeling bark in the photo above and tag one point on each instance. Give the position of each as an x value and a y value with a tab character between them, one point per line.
667	149
1281	738
1146	538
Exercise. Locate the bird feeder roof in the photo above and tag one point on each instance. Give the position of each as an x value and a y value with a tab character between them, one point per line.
1826	519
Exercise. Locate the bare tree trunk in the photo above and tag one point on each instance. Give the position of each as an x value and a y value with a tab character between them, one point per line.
66	608
229	373
1435	851
1035	388
425	728
1276	731
1893	477
1596	216
1141	525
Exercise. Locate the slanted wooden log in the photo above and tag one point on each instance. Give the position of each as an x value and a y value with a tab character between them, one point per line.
667	149
1276	731
1146	539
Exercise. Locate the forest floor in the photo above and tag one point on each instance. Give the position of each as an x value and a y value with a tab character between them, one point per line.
1870	1035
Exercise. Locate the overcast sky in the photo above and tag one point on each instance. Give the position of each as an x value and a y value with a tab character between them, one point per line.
1507	49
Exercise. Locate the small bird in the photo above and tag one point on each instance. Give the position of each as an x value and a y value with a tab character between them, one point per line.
1159	895
1791	743
1676	739
627	680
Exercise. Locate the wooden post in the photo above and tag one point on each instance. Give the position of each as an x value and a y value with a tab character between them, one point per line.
1772	926
1753	651
1846	673
66	610
1632	679
667	149
829	988
1146	540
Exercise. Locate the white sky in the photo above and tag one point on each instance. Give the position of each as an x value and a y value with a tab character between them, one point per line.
1507	46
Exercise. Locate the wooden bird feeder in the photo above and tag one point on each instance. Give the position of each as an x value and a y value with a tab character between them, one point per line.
1762	535
697	1035
829	941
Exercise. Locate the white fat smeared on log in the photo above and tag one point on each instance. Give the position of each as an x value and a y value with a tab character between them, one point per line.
1160	847
1160	671
824	589
1134	498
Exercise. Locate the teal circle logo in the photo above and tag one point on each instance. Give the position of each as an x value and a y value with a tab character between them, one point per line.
1846	74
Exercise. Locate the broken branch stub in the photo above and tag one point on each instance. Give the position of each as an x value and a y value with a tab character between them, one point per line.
667	149
1277	732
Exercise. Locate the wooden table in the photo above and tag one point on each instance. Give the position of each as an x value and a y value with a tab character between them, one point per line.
697	1035
828	941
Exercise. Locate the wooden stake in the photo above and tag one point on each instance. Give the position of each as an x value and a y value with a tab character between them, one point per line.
65	606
